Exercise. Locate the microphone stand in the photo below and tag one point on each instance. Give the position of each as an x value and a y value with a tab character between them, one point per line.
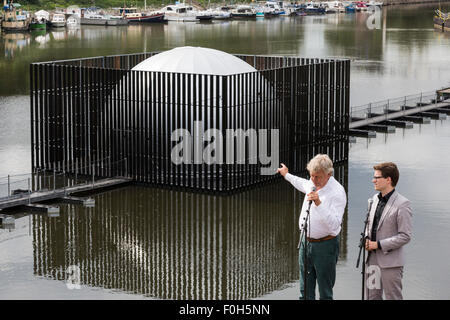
362	244
305	253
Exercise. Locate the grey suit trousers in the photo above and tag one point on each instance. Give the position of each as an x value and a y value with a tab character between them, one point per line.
379	280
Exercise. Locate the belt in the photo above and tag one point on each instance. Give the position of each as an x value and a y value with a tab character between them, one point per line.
321	239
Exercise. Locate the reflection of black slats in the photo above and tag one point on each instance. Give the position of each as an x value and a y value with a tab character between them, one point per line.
177	245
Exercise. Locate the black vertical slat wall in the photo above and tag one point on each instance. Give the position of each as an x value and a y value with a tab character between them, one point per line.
96	116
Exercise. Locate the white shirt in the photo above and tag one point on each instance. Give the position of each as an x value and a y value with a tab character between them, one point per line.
325	219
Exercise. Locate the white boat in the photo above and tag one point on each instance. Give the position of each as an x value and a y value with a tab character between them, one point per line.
93	19
271	8
220	13
243	12
180	12
334	6
205	15
58	20
374	4
73	21
73	11
42	15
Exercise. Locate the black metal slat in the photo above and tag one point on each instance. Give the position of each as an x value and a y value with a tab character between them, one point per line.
189	127
178	110
224	186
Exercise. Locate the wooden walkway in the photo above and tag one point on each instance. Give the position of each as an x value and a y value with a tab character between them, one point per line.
388	115
40	196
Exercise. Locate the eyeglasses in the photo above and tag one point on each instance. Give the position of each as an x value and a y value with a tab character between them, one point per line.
379	177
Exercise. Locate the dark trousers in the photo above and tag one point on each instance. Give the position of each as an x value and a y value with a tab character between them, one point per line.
322	258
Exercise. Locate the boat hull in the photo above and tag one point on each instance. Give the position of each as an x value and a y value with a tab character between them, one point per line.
244	15
93	22
181	18
147	19
222	17
204	18
58	24
15	26
38	26
117	22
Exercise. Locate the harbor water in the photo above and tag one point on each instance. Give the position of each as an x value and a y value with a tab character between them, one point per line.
147	243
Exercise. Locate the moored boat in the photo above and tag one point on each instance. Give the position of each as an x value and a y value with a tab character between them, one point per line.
73	21
360	6
58	20
92	18
271	9
334	7
180	12
133	16
144	17
204	16
311	8
14	18
38	25
351	8
42	15
221	15
374	4
244	12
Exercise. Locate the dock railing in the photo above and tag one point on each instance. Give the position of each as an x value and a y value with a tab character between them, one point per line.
23	185
390	105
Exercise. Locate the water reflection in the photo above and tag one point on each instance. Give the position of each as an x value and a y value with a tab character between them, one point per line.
15	42
404	56
177	245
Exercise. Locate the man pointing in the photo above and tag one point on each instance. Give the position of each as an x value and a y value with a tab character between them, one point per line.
326	212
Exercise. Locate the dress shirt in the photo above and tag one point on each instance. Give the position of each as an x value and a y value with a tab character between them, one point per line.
378	212
325	219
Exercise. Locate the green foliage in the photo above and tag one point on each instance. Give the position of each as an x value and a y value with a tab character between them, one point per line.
52	4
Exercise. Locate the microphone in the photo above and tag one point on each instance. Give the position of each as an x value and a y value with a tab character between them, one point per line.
310	201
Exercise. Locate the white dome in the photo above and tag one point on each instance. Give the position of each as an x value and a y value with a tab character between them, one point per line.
195	60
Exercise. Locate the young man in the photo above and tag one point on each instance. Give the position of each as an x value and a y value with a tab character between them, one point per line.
389	229
327	209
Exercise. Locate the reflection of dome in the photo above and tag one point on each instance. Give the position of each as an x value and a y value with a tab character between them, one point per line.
195	60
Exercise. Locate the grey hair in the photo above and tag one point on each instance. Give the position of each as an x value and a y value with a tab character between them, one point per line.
320	162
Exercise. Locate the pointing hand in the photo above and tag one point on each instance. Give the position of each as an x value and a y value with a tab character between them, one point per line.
283	170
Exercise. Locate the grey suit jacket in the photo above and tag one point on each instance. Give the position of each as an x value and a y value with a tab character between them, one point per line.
394	230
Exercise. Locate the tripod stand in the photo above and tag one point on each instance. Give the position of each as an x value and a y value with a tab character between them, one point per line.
362	244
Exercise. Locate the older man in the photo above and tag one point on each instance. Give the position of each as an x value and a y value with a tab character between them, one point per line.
326	212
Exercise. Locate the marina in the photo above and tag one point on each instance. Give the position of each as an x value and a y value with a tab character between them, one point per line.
178	12
138	241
